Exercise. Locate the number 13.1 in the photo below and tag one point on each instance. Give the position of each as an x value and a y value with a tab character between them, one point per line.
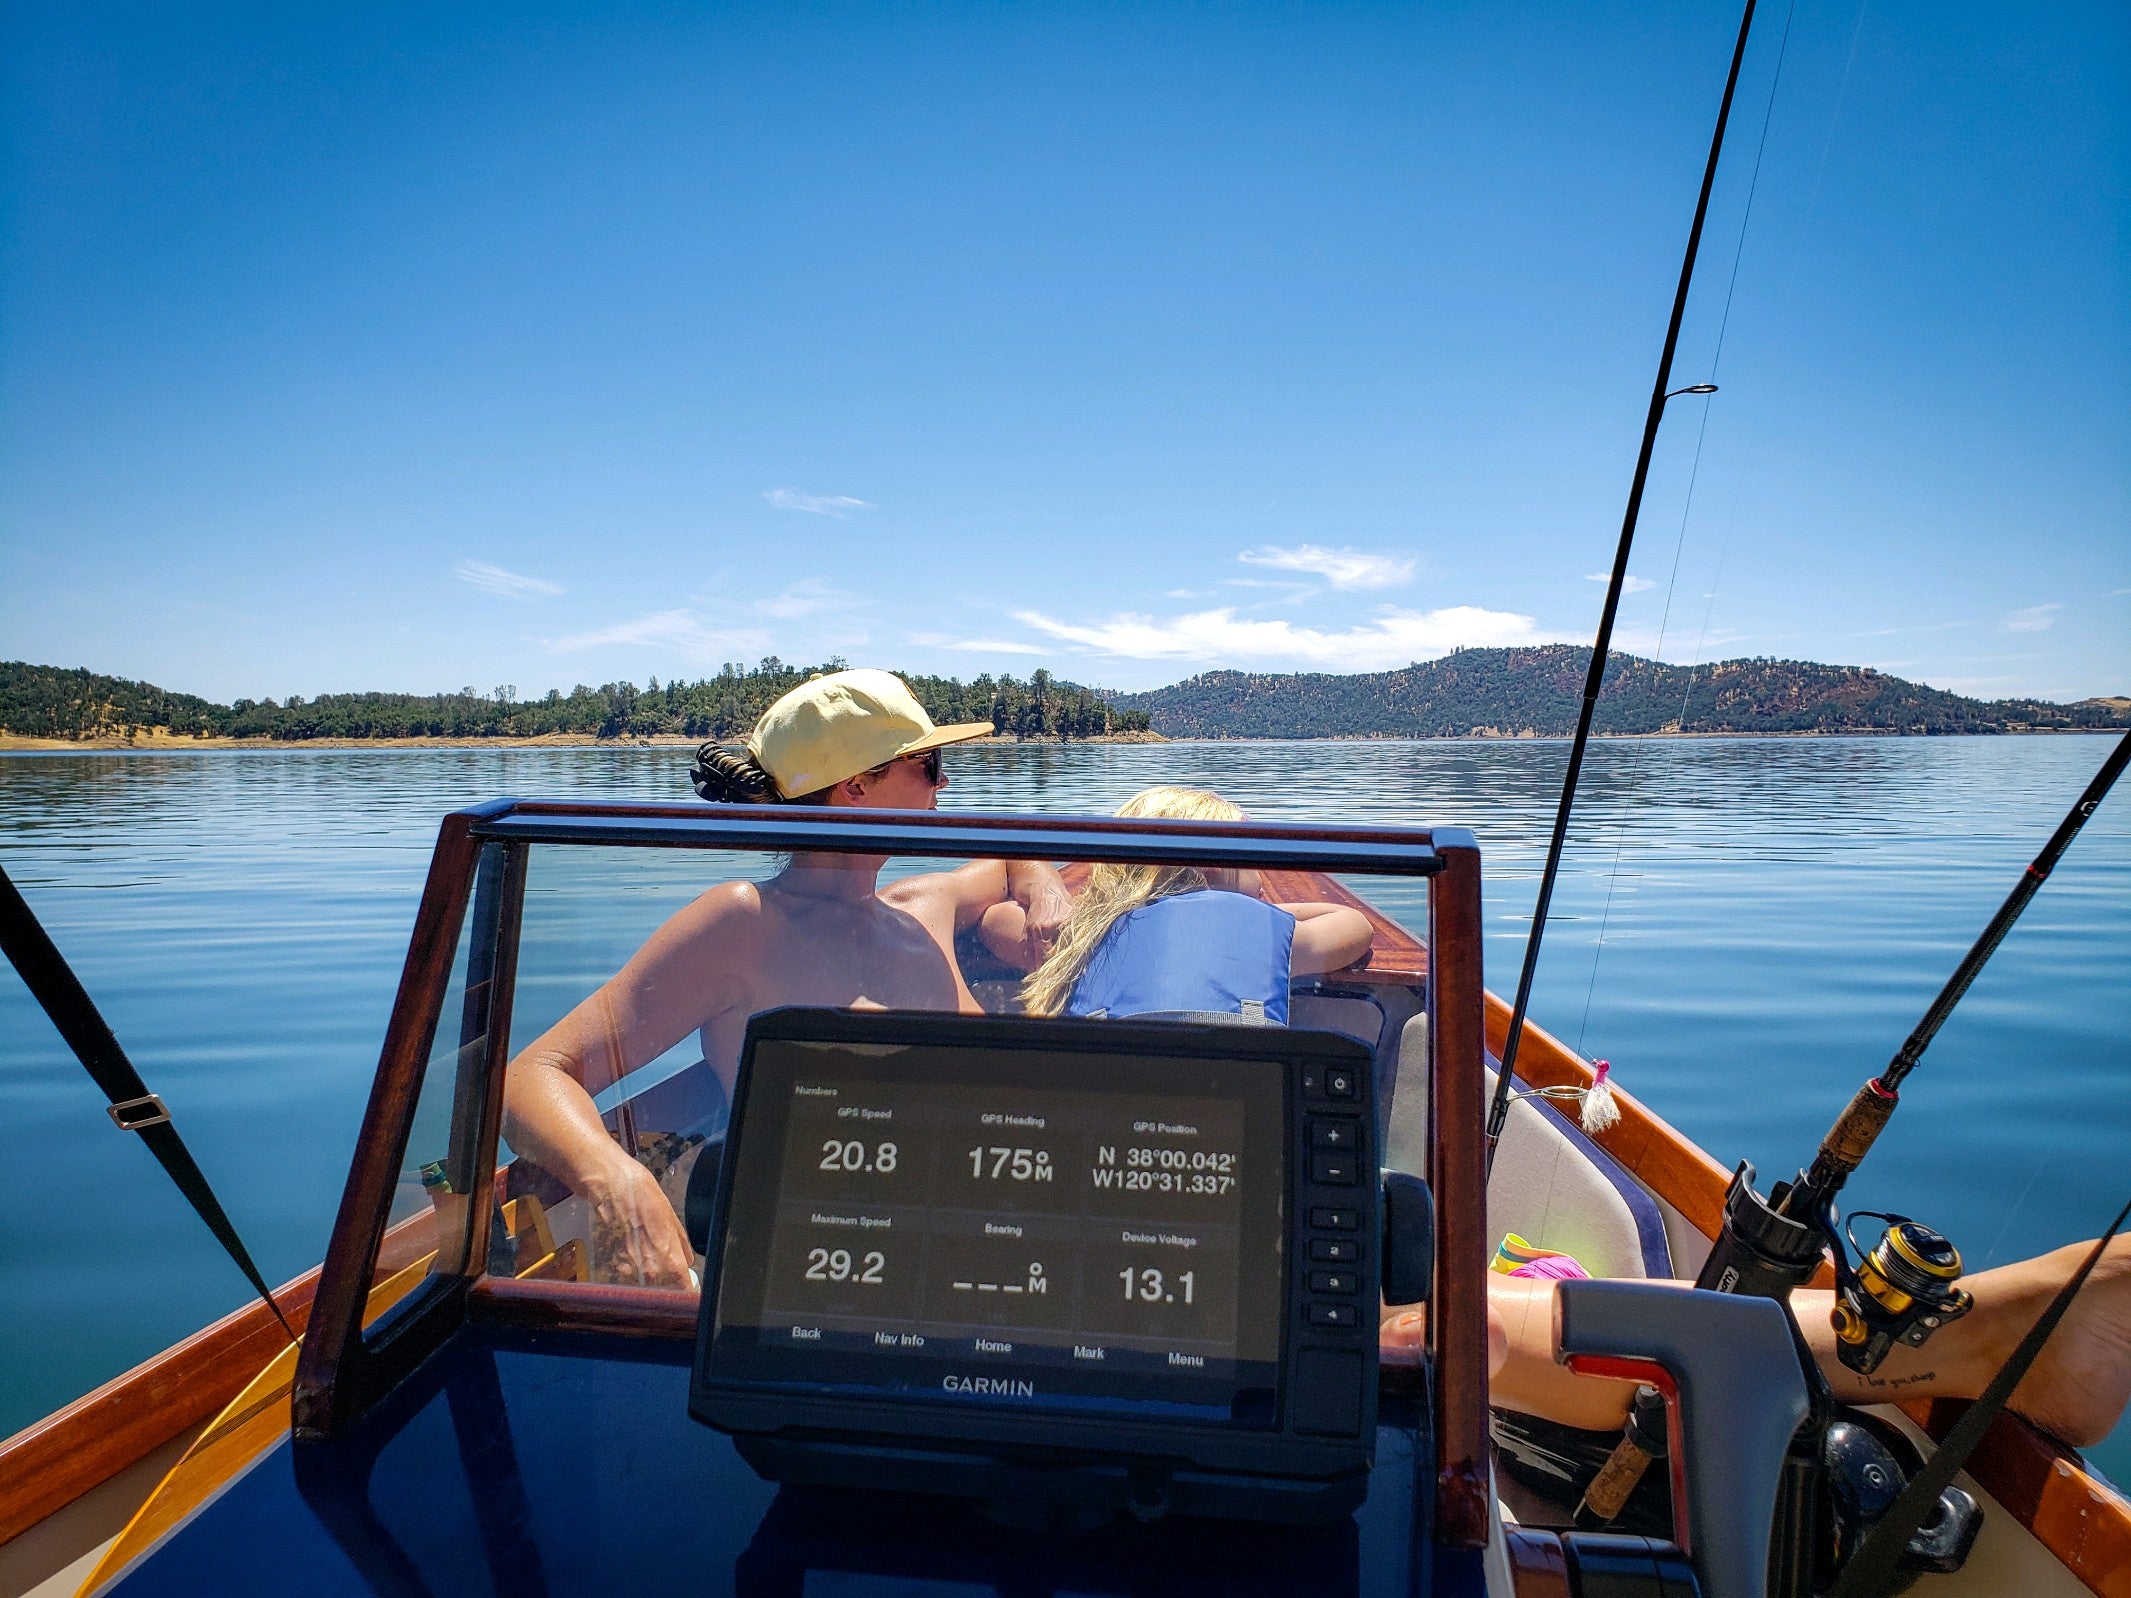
1147	1286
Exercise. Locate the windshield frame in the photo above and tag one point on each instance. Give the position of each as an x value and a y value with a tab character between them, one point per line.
340	1375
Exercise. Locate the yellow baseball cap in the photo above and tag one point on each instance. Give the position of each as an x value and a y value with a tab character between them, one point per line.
836	726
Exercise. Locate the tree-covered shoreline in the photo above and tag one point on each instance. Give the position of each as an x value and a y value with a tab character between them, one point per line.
1471	693
83	706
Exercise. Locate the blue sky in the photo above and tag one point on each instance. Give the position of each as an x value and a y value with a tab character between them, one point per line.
415	348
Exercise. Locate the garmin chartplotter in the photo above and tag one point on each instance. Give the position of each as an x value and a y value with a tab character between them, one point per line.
1058	1265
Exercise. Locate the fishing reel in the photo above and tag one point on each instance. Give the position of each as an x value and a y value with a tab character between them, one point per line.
1900	1291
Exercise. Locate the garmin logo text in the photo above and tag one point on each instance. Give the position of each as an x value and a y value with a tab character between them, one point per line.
990	1386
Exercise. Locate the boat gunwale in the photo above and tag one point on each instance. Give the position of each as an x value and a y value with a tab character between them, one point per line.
55	1461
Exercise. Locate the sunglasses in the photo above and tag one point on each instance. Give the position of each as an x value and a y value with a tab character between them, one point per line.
929	763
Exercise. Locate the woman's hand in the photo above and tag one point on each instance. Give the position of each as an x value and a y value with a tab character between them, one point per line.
1045	904
636	1237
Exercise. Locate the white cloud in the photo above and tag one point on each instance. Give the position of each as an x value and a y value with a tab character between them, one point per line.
1633	585
1930	627
1342	568
1715	643
509	584
2034	619
1630	639
978	646
836	505
1393	638
811	597
680	631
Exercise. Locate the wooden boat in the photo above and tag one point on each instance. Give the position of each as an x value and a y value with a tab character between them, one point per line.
469	1405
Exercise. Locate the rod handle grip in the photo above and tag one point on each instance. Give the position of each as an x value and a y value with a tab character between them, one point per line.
1608	1493
1851	1138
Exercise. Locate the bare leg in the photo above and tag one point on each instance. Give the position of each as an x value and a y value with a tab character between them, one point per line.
1530	1378
1520	1353
2077	1390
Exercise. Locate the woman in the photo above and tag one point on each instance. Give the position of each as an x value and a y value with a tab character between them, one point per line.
817	933
1147	939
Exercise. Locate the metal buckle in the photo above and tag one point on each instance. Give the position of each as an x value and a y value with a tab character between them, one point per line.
137	1115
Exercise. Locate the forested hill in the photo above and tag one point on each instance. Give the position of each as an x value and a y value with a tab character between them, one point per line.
51	702
1508	692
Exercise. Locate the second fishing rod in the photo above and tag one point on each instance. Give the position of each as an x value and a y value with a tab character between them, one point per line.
1905	1286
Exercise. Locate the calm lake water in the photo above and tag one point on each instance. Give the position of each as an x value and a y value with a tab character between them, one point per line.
1775	916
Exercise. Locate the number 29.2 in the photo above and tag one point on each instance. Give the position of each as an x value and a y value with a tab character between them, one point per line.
834	1265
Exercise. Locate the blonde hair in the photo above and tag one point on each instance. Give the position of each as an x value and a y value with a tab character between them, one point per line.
1114	890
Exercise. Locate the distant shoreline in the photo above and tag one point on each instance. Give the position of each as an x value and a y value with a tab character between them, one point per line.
12	744
155	741
1478	694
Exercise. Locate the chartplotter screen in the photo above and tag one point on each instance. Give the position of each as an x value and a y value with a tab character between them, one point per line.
961	1225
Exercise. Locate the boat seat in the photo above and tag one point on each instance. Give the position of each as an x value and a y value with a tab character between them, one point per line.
1552	1185
1356	1018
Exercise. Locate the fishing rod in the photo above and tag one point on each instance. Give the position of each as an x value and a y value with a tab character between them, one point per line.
51	981
1904	1288
1660	392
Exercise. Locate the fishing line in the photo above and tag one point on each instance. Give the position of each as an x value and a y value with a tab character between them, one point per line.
1723	548
1616	584
1790	295
1694	473
2013	1212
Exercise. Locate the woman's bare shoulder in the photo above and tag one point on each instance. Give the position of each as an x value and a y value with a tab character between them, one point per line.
719	915
728	899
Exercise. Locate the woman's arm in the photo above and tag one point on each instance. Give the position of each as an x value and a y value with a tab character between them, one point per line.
1328	937
1019	905
693	967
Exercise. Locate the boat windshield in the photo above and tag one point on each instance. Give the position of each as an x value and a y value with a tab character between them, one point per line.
618	981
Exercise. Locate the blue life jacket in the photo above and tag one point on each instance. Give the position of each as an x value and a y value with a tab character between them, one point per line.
1208	950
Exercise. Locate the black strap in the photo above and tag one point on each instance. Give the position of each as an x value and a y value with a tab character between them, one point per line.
52	983
1876	1564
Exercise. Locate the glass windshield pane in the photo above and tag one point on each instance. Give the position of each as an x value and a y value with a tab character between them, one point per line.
441	1172
639	968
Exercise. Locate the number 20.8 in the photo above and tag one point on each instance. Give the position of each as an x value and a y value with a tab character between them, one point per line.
851	1156
834	1265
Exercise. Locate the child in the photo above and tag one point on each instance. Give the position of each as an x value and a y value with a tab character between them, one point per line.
1171	939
